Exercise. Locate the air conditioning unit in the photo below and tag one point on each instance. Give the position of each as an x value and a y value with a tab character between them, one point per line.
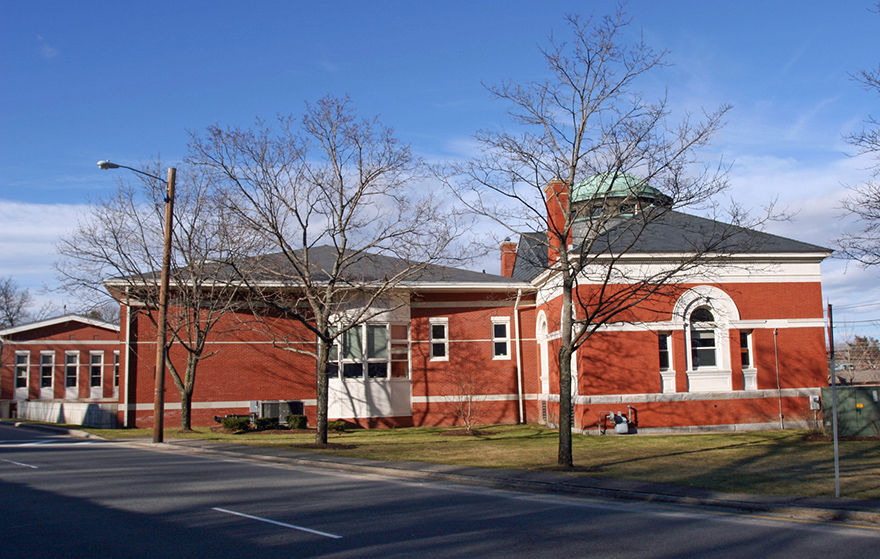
279	409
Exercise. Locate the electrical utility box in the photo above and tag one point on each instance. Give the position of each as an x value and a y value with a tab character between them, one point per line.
858	410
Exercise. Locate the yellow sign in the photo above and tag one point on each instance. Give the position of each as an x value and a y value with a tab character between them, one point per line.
860	405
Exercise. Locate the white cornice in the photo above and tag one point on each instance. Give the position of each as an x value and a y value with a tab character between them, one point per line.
59	320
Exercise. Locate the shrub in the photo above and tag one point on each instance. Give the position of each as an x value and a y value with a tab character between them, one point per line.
236	423
264	423
338	426
297	421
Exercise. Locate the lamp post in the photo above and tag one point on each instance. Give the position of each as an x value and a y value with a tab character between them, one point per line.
162	326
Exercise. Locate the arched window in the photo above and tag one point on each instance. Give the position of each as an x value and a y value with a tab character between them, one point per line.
705	314
703	348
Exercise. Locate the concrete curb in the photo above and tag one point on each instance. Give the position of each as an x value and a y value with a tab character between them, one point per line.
61	430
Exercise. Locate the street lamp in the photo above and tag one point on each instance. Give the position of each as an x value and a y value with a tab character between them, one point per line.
159	398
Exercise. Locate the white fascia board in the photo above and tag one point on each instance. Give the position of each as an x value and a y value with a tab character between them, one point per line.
122	284
59	320
761	257
446	287
749	324
466	287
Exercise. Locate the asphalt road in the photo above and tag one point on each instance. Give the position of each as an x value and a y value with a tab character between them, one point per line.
67	497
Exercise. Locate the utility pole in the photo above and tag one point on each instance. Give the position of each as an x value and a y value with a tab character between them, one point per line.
159	399
162	325
834	404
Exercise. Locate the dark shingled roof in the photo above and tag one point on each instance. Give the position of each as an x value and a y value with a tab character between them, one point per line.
670	232
367	267
673	231
531	256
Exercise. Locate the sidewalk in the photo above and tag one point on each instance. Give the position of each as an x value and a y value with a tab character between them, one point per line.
861	511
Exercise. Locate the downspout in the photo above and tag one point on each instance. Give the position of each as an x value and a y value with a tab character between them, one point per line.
519	377
778	389
127	360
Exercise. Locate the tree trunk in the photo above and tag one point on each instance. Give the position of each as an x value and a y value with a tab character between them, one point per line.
564	457
185	410
184	387
323	389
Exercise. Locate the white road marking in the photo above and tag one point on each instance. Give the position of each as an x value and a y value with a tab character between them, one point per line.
47	442
300	528
21	464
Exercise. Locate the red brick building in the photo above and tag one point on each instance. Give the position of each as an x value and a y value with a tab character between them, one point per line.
63	370
449	337
736	343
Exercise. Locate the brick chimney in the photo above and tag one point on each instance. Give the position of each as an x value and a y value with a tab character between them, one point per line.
508	257
556	196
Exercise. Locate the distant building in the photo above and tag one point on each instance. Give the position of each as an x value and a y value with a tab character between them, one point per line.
62	370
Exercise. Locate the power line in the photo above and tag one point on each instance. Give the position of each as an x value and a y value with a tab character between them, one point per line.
869	321
857	305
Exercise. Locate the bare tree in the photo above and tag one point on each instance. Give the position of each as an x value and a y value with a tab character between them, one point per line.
467	397
118	246
864	200
862	352
331	192
589	166
14	302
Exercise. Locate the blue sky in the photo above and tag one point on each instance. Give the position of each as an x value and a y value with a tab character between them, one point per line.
83	81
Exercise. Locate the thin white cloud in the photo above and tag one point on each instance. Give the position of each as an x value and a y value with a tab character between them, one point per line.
46	50
30	232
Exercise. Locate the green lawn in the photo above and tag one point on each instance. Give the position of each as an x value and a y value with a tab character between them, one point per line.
771	462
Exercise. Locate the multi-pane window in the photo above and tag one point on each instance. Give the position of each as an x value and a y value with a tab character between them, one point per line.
373	350
500	338
439	339
663	343
22	368
703	350
47	366
71	369
399	351
115	368
377	350
745	349
96	367
352	353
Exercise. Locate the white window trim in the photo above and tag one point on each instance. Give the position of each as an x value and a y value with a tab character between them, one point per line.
366	351
337	357
445	340
667	375
506	340
668	336
716	330
75	365
51	367
92	364
717	378
400	342
750	373
27	370
116	366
